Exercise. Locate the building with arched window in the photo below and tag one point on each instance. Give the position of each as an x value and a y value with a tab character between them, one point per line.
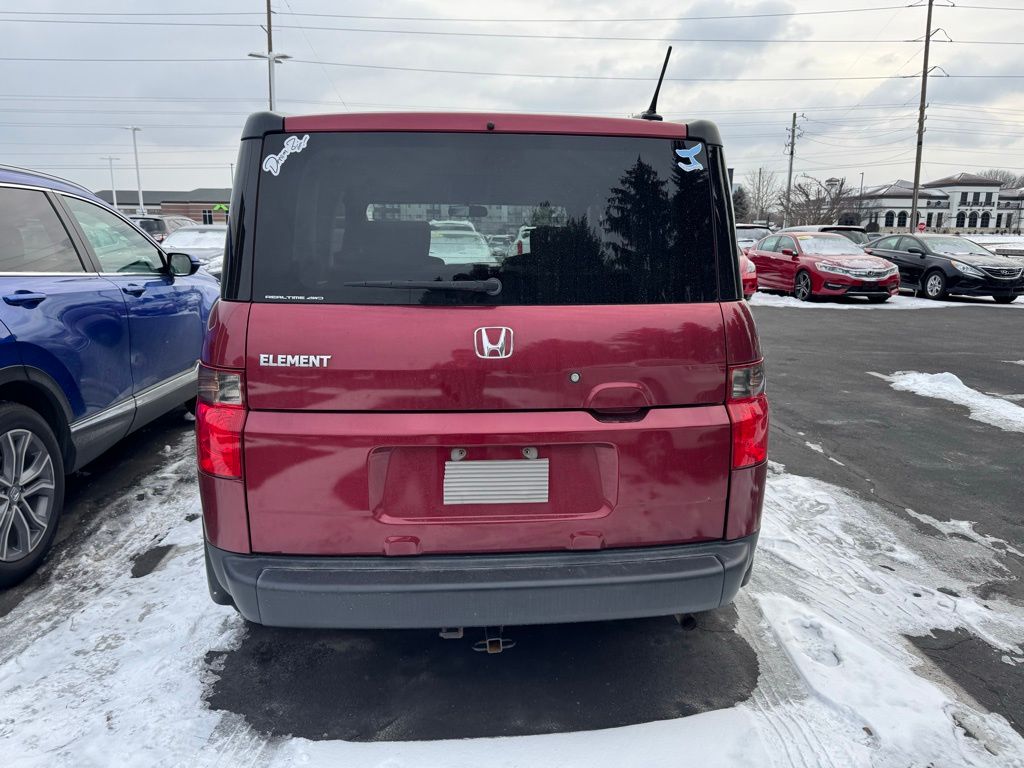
962	202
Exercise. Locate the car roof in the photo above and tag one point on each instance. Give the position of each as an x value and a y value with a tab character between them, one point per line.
815	232
823	228
262	123
10	174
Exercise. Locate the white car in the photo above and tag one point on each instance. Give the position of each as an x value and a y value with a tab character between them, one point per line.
454	226
460	246
521	244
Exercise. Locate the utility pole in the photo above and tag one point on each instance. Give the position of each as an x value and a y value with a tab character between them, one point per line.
920	118
113	188
789	176
231	166
138	174
271	57
860	201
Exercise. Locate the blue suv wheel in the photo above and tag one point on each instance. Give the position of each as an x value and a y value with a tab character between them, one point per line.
31	491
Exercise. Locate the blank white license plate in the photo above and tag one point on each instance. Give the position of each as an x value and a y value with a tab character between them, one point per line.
514	481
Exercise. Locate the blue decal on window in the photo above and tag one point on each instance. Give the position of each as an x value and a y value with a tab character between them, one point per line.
690	157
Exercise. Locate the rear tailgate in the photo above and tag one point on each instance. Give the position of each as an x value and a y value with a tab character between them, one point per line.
351	458
400	404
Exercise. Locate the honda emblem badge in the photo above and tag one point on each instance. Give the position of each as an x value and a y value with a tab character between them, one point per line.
493	342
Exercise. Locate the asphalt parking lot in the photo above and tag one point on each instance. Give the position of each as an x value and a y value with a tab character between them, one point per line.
832	420
905	451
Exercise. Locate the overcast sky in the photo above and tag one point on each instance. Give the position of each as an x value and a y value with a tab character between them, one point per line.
64	116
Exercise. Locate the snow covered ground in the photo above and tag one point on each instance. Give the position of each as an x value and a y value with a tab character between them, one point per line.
902	301
989	240
102	669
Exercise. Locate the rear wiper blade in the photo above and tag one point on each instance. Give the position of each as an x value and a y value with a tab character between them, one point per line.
491	286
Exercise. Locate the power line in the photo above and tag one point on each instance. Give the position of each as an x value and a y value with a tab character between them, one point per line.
479	20
546	76
624	78
257	99
80	59
176	126
508	35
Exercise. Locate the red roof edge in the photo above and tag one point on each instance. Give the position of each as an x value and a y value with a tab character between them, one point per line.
477	122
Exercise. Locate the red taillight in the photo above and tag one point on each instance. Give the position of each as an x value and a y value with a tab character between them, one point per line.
220	417
748	412
519	247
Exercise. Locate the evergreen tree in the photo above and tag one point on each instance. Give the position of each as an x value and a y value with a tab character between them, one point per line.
741	204
639	213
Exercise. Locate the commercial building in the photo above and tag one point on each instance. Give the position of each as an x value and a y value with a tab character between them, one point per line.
206	205
964	202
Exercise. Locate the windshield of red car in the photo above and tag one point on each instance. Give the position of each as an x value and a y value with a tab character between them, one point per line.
818	245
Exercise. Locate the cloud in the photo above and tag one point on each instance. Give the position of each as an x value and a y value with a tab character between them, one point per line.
191	113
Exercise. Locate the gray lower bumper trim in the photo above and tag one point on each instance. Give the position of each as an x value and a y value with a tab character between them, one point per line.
482	590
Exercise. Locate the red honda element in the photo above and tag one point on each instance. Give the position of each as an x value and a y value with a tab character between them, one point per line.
399	426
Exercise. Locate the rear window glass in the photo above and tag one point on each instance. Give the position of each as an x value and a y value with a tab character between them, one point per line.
752	233
853	235
151	226
552	219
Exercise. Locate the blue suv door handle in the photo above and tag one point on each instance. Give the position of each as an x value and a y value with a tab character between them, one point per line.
134	289
24	298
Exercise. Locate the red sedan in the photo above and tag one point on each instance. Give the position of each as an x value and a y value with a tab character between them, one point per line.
822	264
748	272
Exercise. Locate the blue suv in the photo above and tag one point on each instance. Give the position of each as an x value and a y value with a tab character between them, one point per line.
100	332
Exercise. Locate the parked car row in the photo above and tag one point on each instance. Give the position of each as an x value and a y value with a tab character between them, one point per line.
832	260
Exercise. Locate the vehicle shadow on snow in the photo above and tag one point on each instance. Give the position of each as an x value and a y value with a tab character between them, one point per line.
412	685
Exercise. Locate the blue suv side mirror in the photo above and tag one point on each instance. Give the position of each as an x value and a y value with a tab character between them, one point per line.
182	264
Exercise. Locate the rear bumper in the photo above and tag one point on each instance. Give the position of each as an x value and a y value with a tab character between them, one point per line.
483	590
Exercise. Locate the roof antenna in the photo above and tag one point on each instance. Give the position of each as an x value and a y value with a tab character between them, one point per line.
652	111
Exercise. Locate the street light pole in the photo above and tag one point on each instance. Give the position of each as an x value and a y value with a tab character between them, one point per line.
113	188
272	59
138	174
920	118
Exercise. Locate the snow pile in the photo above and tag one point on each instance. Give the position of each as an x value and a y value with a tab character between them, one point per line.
838	591
995	411
902	301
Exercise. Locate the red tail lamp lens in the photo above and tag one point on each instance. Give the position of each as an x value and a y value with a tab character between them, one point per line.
220	417
748	411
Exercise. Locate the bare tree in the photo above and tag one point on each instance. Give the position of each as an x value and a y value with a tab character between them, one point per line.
819	202
1008	179
763	191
